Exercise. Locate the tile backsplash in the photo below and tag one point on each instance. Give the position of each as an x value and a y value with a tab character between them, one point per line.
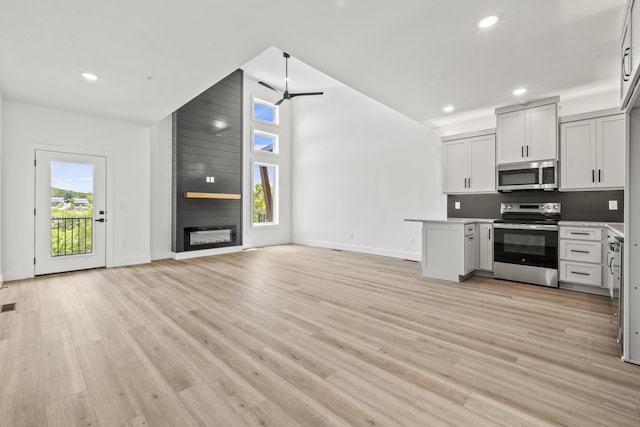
576	205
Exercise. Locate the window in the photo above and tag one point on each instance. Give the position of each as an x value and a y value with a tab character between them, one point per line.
265	111
264	194
265	142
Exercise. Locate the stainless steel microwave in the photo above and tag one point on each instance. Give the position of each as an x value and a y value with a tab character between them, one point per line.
528	176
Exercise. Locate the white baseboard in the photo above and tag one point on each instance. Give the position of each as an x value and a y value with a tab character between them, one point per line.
206	252
412	256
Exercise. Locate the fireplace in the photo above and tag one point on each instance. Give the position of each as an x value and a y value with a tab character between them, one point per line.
216	236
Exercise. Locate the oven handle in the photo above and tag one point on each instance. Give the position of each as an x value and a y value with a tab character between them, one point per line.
526	226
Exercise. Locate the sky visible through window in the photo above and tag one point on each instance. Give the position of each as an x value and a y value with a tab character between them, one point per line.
264	112
72	176
262	142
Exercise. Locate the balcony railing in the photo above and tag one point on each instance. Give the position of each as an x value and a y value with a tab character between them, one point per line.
71	236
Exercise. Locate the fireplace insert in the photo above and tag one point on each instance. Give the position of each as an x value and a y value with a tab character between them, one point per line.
215	236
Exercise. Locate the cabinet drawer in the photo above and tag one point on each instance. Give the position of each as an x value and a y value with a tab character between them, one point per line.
585	251
577	272
581	233
469	229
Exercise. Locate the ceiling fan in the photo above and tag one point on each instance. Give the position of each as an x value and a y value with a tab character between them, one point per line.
286	94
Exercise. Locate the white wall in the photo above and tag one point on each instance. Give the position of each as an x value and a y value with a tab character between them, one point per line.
359	169
27	126
264	235
1	202
161	152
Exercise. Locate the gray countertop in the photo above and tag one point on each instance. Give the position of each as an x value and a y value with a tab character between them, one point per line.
452	220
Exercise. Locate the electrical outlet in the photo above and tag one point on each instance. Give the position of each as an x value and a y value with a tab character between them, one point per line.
613	205
456	205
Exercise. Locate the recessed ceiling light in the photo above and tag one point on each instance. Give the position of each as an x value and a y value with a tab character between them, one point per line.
448	108
520	91
90	77
488	21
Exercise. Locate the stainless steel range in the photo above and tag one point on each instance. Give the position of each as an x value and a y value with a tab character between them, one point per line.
525	246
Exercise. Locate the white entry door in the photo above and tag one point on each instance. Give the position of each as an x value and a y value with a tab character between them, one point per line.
70	212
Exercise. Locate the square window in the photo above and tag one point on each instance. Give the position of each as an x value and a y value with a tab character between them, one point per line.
265	142
264	194
265	111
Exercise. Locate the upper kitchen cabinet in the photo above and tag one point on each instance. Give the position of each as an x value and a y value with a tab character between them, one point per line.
469	163
592	150
630	54
528	132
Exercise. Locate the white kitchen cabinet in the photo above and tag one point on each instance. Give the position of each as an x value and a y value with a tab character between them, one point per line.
485	247
469	164
630	53
527	134
470	248
581	257
592	153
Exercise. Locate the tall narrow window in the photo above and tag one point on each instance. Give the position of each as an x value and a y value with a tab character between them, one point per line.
264	194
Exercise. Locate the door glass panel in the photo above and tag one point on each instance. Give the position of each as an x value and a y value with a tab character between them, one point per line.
71	208
529	244
519	177
264	194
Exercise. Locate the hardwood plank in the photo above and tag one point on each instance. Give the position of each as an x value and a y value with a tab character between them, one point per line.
293	335
72	411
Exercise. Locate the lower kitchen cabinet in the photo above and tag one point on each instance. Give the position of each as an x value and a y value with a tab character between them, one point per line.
581	258
485	247
450	249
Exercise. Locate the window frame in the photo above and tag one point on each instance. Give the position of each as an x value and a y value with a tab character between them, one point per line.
276	113
275	221
276	145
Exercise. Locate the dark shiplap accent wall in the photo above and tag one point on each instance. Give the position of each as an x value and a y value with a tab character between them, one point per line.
201	149
576	205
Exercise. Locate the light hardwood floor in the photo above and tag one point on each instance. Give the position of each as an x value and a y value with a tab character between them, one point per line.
295	336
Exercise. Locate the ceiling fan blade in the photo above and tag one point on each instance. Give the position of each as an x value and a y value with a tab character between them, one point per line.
306	94
268	85
279	102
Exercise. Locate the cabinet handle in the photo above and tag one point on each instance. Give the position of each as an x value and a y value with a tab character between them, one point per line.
599	175
489	234
469	182
581	273
611	265
580	252
579	233
527	151
625	75
522	151
593	175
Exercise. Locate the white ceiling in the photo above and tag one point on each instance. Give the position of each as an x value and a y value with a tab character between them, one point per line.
415	56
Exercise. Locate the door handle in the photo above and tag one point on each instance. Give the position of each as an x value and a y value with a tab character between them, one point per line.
100	220
625	75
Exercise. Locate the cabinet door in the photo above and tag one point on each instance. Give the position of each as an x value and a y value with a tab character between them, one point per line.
626	64
541	133
470	254
455	166
578	155
510	137
486	247
482	163
611	144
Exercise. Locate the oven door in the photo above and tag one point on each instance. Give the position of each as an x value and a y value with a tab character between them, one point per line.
526	244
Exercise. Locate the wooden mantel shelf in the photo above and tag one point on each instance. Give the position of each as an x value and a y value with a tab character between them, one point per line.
228	196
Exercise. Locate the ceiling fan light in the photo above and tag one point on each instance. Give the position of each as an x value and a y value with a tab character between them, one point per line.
520	91
448	109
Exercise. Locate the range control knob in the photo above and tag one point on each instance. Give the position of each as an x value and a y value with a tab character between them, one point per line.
548	207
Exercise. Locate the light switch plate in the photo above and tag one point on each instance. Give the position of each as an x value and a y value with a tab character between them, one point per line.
456	205
613	205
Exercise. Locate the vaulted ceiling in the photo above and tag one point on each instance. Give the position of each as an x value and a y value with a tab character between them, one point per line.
416	56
